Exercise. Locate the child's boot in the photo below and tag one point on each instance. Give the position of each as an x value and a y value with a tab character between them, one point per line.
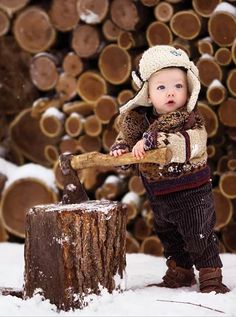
177	276
210	280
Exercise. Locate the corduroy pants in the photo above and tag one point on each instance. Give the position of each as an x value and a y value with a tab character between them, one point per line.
184	222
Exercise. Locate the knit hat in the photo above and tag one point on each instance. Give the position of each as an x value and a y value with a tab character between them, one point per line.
154	59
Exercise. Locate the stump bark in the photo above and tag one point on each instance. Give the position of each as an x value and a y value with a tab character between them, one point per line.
74	250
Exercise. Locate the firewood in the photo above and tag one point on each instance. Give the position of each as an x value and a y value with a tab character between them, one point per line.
11	7
94	177
72	64
105	108
51	153
17	92
58	175
52	122
63	15
91	86
18	197
66	87
108	138
227	184
222	165
68	144
150	3
86	160
231	132
131	244
223	208
141	229
81	107
232	164
231	82
3	233
92	126
223	36
205	46
43	71
159	33
210	118
216	93
23	129
74	124
135	185
128	15
223	56
124	96
205	9
112	188
164	11
92	11
233	52
209	70
128	40
3	179
184	18
88	240
4	23
228	237
152	246
86	41
110	30
33	30
183	45
225	111
115	64
174	1
11	291
133	203
41	104
87	143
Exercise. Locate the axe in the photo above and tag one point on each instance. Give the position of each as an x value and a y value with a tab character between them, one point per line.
73	190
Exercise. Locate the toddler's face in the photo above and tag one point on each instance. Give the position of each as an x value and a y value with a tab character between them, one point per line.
168	90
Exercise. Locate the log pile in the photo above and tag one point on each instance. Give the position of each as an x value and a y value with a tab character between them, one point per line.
66	71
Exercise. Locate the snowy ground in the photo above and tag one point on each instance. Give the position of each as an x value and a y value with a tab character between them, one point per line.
137	300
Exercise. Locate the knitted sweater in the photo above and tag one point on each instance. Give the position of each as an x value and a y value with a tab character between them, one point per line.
183	133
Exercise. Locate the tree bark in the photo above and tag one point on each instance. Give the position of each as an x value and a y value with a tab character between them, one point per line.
88	241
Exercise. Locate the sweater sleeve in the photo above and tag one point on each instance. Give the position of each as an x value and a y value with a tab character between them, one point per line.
184	145
131	126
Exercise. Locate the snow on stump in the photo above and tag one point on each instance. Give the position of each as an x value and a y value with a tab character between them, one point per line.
74	250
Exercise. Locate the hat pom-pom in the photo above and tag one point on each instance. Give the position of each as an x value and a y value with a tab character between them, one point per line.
136	79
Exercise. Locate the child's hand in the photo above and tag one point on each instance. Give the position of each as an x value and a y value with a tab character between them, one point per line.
118	152
138	150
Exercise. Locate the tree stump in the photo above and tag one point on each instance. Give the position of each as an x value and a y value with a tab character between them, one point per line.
74	250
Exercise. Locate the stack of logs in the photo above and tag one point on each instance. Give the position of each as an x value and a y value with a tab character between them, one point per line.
65	71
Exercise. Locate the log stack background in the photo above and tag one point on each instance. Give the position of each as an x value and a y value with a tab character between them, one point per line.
65	71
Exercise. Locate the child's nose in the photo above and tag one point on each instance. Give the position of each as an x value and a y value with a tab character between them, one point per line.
170	93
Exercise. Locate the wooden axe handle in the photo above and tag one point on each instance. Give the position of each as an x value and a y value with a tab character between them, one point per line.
92	159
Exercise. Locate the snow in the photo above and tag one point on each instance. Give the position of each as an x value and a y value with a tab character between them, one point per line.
226	7
136	300
215	83
89	17
26	171
54	112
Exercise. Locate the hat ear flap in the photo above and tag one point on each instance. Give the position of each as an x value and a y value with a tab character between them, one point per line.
194	88
136	79
140	99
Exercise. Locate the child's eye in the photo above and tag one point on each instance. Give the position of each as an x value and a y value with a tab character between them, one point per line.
160	87
179	86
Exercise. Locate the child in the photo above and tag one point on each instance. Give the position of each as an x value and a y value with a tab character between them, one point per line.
163	113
